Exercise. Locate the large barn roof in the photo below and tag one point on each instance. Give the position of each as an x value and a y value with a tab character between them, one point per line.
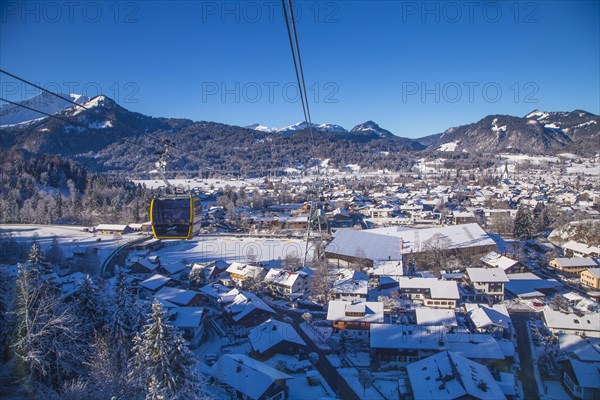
390	243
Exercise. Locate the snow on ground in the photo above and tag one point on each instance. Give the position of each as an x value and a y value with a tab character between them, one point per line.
206	249
450	146
350	375
553	390
551	126
496	128
359	359
317	334
201	183
567	155
298	385
387	383
519	158
69	238
592	169
335	360
520	305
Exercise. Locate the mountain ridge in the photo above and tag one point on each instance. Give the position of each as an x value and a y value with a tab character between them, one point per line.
107	136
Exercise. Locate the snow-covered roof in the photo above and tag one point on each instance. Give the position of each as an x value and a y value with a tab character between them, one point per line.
111	227
244	303
434	338
559	320
148	264
527	284
370	311
587	374
476	346
272	332
155	282
450	376
581	247
483	316
587	349
435	316
214	290
595	272
177	296
387	268
358	287
244	270
487	275
391	242
495	260
187	317
283	277
174	268
438	289
575	262
246	375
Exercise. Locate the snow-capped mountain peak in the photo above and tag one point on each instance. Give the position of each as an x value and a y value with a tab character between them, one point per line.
298	127
371	127
12	115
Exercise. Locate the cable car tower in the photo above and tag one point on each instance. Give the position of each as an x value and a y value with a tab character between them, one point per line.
317	228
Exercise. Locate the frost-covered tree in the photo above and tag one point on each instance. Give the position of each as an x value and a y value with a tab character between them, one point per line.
162	364
523	227
105	375
435	252
366	380
307	317
320	285
292	262
35	254
360	260
543	219
48	339
90	307
124	320
197	275
6	316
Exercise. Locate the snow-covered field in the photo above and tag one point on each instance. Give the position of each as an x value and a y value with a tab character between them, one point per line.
585	169
206	249
519	158
70	238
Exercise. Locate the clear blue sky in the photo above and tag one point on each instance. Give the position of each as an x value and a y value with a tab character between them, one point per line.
416	68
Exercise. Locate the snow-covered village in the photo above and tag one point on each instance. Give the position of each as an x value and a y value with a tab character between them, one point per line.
299	200
404	290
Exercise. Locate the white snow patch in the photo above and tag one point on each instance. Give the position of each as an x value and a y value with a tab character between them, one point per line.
585	123
352	167
537	113
496	128
451	146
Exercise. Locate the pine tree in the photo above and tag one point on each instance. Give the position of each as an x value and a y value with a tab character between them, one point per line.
162	364
54	253
35	254
48	341
543	220
523	227
89	307
124	320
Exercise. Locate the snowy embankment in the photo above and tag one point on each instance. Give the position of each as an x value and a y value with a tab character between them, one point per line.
70	238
